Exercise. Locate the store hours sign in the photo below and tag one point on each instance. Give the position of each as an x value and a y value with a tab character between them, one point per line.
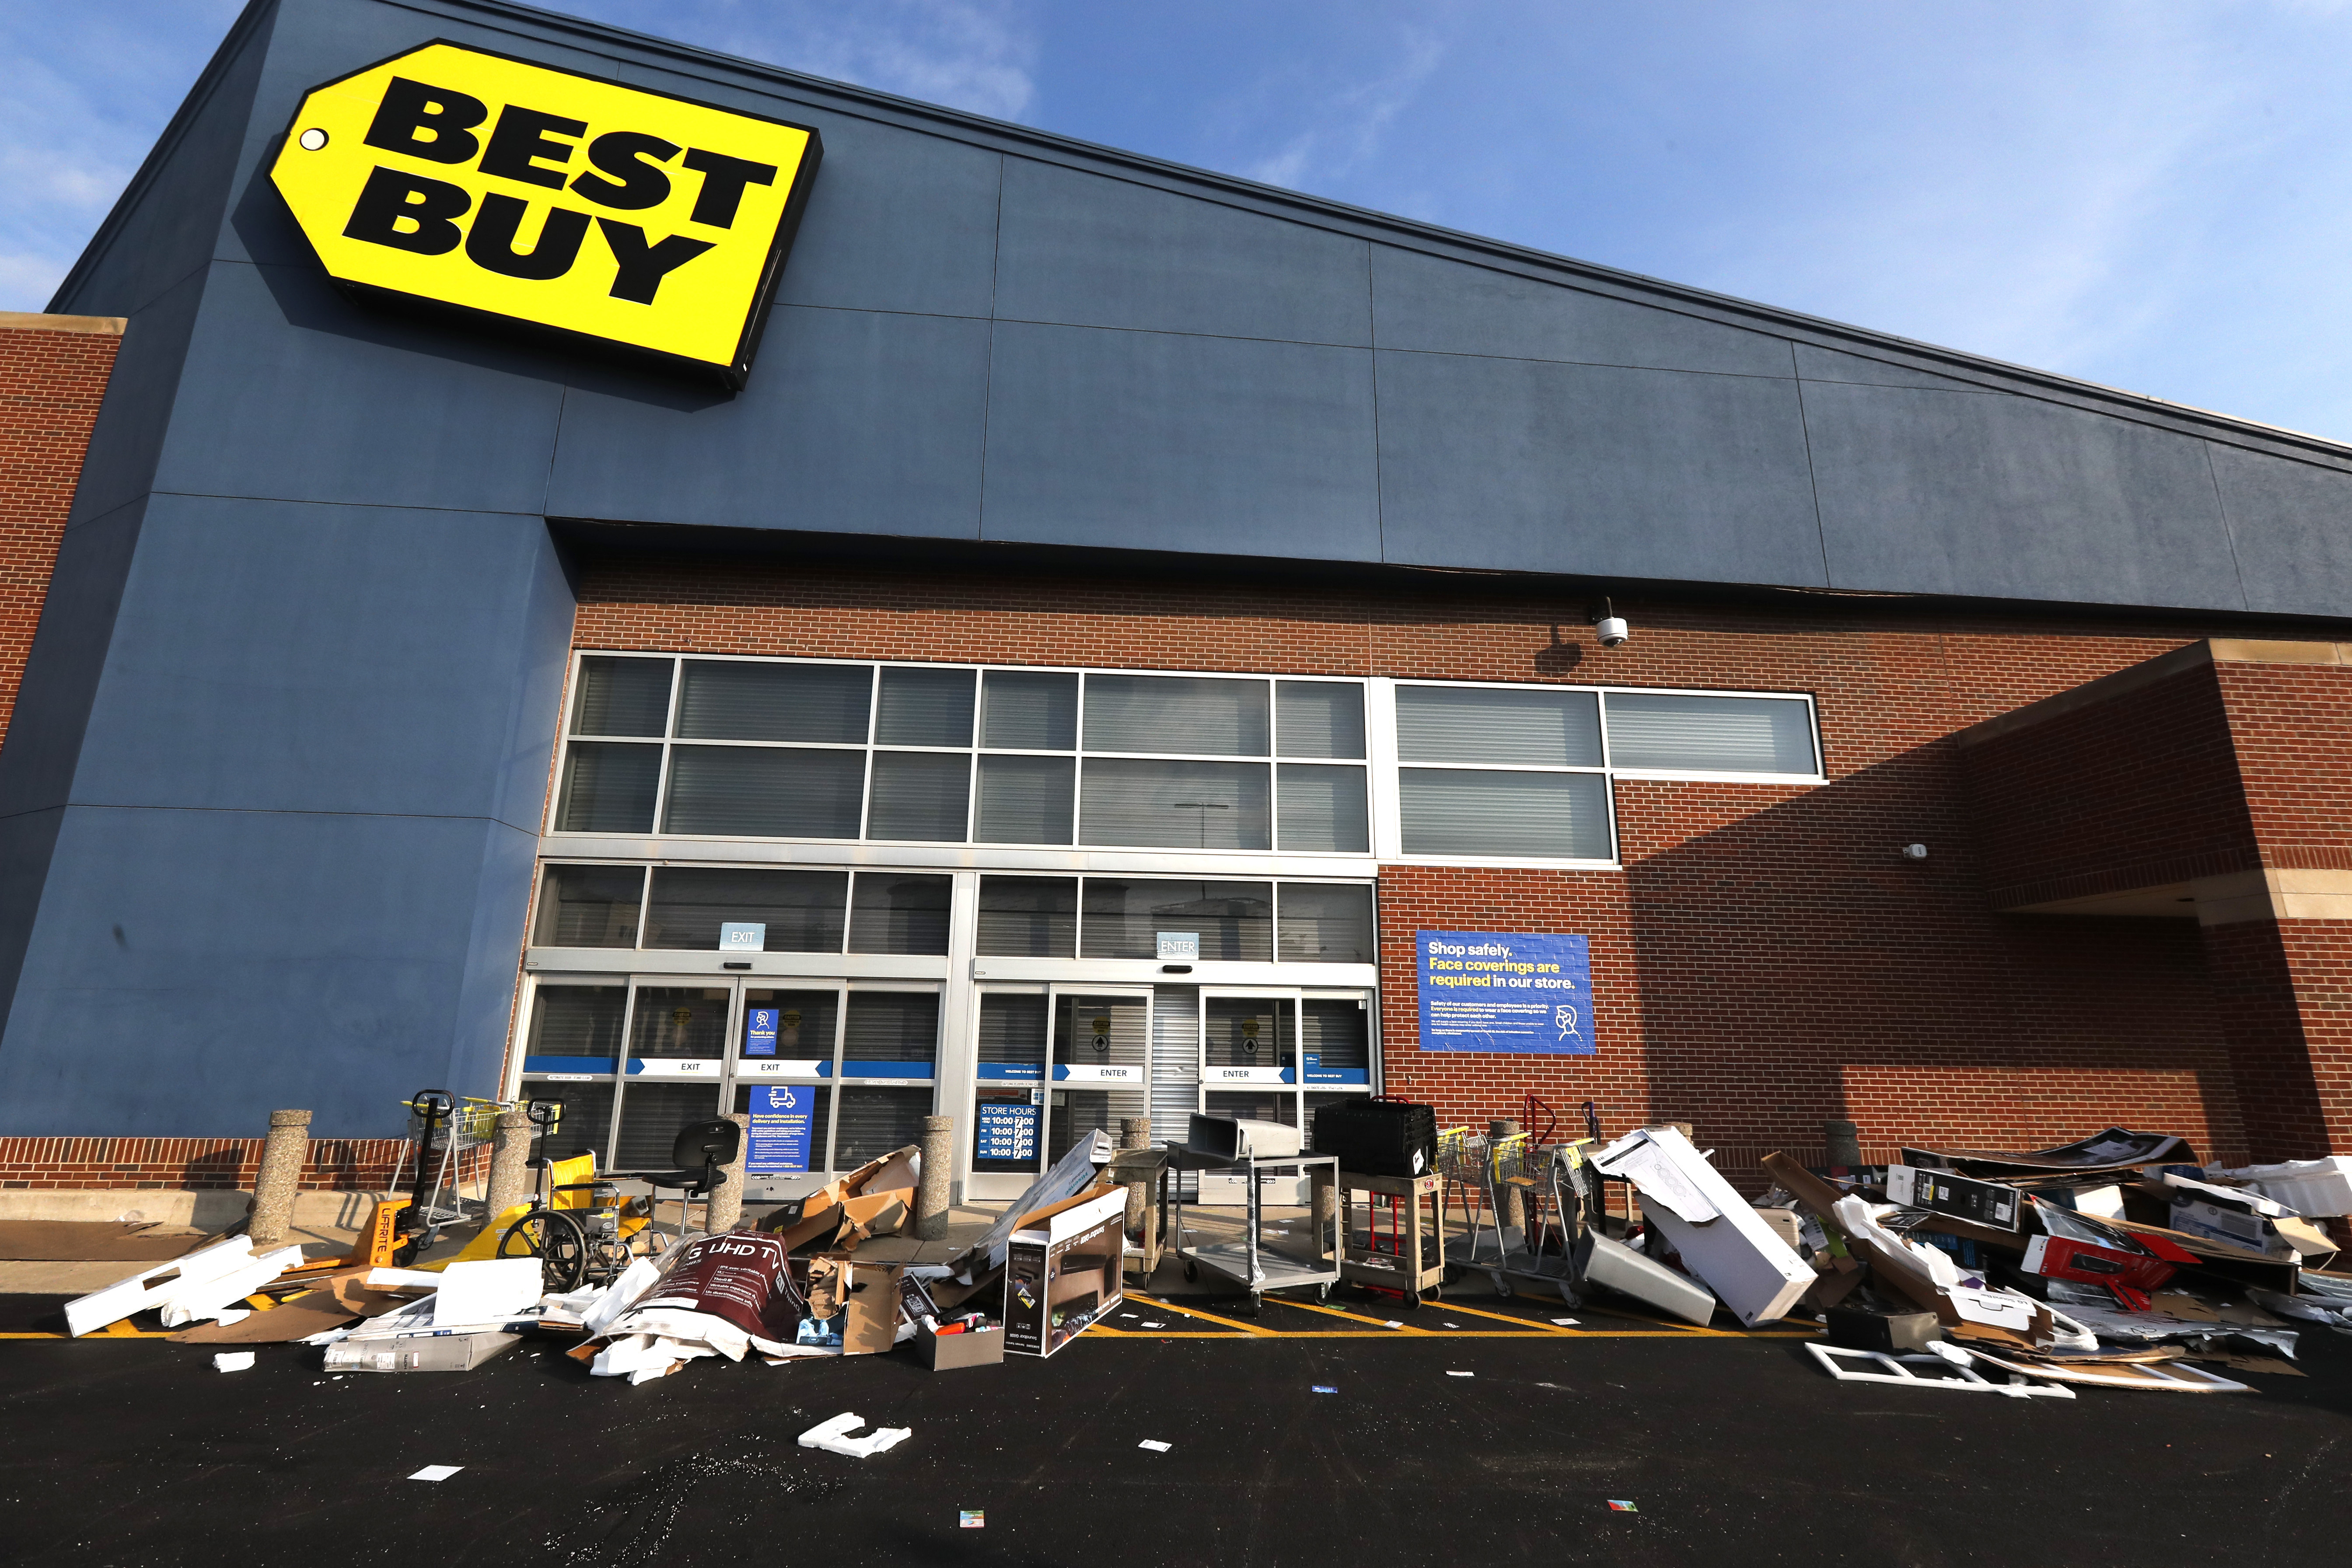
1503	991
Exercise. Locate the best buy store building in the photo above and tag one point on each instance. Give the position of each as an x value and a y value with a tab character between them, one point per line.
611	572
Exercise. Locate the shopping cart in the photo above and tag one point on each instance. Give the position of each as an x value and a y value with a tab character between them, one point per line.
1524	1203
441	1132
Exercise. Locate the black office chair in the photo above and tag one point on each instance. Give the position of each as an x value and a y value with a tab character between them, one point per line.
715	1143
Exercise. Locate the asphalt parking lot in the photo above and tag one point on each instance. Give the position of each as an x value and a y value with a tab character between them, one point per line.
1732	1449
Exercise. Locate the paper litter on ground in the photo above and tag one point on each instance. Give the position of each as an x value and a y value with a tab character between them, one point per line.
233	1361
1155	1445
436	1472
834	1437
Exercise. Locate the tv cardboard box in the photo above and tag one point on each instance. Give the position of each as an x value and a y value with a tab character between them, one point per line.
1062	1271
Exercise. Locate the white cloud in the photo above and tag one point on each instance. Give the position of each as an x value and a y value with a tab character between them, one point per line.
1350	120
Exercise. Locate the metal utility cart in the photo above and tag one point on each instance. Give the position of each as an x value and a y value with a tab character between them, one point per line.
1408	1258
1250	1262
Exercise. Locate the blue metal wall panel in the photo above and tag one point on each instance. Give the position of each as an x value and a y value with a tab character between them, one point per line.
1426	302
1156	441
856	422
2290	528
192	969
1525	466
327	402
1085	249
896	221
1815	363
275	656
1955	492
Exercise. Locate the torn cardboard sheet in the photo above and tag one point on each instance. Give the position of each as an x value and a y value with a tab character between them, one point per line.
873	1200
2112	1149
328	1305
1720	1236
2163	1377
2306	1187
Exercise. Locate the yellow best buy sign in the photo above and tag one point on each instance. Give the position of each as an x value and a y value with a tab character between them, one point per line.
563	202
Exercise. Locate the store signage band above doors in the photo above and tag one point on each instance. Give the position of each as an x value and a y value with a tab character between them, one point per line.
1505	991
555	202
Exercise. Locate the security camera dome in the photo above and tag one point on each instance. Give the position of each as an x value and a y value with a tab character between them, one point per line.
1612	630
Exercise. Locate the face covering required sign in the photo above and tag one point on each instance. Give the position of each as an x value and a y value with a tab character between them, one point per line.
490	185
1505	991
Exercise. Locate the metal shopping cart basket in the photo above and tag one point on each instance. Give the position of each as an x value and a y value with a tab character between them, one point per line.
439	1139
1524	1202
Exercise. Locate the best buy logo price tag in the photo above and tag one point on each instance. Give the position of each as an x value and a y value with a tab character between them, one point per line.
571	204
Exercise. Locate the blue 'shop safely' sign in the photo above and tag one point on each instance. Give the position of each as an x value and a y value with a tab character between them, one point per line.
1505	991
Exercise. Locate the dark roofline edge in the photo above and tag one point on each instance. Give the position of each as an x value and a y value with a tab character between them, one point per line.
584	538
1362	223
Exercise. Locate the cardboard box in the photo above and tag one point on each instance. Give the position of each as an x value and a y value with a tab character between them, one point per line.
1987	1204
943	1352
1890	1333
868	1293
1062	1272
419	1352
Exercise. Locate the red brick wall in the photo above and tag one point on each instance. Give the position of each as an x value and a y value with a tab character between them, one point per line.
333	1164
53	372
2292	728
2139	789
1765	959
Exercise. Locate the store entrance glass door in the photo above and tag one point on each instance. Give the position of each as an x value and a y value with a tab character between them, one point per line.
833	1074
1052	1063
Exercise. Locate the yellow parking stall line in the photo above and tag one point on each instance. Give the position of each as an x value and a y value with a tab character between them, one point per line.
1394	1328
1196	1312
1498	1317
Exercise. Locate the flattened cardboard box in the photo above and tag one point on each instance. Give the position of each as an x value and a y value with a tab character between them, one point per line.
1062	1272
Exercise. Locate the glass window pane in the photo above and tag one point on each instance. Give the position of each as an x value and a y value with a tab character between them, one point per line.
802	909
681	1021
897	1028
1028	917
1234	920
1246	1032
742	791
775	701
1537	726
876	1121
1335	1042
575	1028
1176	806
1191	713
1320	717
1734	734
654	1112
894	914
1323	808
1024	800
1092	1033
608	788
1324	922
583	1125
800	1021
589	906
923	796
622	696
1029	710
1011	1067
1448	811
925	707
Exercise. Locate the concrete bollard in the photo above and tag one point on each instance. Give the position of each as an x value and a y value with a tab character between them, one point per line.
727	1202
510	1172
282	1158
1135	1132
1509	1200
1844	1142
931	1192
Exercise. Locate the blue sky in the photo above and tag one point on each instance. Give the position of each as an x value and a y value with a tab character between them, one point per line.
2149	193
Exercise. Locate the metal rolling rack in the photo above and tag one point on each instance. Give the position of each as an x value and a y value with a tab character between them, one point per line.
1248	1263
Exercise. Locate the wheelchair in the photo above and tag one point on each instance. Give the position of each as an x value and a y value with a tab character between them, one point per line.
578	1240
